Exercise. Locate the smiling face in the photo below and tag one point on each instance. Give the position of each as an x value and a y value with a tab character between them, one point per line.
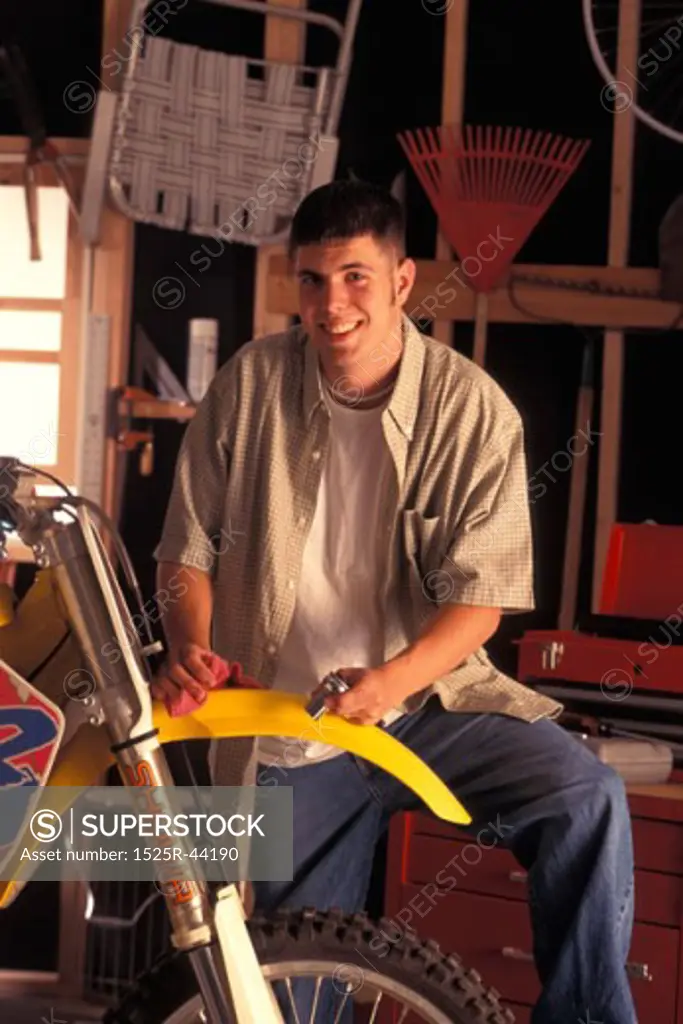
351	296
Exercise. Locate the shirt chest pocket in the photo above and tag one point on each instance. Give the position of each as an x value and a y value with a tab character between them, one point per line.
423	541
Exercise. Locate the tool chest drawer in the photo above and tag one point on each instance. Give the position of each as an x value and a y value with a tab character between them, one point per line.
440	866
560	654
614	665
658	845
493	936
450	864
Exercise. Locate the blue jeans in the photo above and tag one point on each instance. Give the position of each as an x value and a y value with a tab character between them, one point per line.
562	813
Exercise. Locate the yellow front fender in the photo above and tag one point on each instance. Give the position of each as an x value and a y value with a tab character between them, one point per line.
233	713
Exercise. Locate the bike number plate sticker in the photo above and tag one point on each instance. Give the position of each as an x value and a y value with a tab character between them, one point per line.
31	730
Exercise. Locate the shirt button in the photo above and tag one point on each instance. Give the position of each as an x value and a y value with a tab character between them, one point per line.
271	648
291	584
316	455
302	520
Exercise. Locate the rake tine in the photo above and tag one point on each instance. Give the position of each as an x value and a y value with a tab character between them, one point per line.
448	166
551	175
480	163
459	163
517	166
499	163
486	177
421	153
436	163
469	146
533	169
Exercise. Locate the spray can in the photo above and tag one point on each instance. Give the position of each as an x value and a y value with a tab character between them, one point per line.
202	357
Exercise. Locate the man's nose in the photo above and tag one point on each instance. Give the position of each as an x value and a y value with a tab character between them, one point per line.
334	297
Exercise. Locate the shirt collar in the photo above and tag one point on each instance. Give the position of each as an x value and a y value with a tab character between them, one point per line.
404	401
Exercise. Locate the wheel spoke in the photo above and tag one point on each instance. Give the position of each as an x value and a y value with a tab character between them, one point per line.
376	1007
338	1014
316	998
288	985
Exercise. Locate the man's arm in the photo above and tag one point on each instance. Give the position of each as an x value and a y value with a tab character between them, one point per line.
455	632
452	636
187	616
187	611
186	554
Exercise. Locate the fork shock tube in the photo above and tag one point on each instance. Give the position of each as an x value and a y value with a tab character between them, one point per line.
101	620
187	899
143	763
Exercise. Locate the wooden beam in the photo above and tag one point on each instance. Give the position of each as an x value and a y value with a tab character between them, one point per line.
13	150
437	294
284	42
452	110
16	145
138	404
618	254
18	355
33	305
112	270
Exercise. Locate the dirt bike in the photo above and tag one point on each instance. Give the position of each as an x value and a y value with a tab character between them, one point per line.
224	965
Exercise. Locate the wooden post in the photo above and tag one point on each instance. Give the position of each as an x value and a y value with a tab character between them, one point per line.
452	109
618	252
72	938
284	42
577	499
106	284
112	264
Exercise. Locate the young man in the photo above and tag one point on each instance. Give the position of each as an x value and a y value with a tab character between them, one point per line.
352	495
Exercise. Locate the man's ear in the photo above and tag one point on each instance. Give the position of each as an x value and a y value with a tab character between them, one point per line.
404	279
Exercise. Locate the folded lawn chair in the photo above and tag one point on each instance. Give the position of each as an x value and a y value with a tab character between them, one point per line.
219	143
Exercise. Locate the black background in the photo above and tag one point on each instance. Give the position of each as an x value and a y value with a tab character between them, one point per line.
529	65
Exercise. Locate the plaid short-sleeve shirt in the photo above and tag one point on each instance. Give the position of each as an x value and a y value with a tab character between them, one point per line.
455	520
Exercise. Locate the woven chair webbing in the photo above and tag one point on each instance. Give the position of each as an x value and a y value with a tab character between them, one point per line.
208	131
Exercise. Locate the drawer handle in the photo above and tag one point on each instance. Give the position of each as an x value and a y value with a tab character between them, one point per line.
518	876
512	953
639	971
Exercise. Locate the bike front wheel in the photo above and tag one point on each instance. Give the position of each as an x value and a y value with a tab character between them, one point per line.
330	968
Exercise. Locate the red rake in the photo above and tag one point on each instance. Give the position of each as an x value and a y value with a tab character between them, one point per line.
489	187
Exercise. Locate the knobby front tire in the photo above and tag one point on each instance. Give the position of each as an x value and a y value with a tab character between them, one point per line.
348	948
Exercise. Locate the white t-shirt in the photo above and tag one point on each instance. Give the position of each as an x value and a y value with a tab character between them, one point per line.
338	619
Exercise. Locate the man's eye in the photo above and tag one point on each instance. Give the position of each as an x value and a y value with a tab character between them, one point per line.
356	275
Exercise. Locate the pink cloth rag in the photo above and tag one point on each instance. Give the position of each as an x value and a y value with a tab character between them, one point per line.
224	674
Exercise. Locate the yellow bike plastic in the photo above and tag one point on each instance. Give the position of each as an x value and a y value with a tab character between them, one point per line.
233	713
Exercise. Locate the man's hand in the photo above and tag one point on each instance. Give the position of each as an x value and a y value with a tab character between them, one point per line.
186	669
372	695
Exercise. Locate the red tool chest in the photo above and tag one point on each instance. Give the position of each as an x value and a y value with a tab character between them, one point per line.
616	666
484	916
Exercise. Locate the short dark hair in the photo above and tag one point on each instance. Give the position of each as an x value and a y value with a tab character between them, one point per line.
346	209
